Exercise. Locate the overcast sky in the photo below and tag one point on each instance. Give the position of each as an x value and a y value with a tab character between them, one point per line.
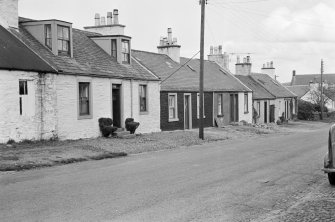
294	34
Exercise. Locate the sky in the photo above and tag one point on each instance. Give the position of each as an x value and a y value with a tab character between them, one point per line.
294	34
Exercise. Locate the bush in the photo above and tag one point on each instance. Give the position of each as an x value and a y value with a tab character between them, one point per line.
131	126
106	128
305	110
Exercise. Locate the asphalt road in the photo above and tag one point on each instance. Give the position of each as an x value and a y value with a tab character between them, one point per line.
240	180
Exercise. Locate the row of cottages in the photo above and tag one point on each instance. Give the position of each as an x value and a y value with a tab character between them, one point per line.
307	88
277	100
57	81
270	99
225	97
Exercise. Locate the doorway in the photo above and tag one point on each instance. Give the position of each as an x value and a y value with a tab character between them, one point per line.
265	112
234	108
272	113
116	97
187	112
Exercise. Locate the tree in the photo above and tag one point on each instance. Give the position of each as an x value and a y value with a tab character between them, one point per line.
315	97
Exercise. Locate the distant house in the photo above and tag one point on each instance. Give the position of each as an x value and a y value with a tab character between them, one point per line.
310	84
224	95
58	81
271	100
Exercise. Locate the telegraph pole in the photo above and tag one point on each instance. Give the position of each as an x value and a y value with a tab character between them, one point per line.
321	90
201	82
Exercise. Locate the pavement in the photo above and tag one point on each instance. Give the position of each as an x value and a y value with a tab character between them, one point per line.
268	178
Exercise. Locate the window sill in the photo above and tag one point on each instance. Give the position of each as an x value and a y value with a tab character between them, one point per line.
198	117
144	113
173	120
85	117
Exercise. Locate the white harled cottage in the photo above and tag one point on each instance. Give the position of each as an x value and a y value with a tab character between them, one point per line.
57	81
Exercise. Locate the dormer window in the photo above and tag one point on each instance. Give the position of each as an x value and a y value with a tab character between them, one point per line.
114	48
48	36
125	52
63	38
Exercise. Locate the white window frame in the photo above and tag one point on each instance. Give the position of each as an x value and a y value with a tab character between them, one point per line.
246	103
27	99
146	98
175	107
90	115
198	106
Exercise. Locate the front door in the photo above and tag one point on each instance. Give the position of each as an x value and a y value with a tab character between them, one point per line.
187	112
272	113
116	95
234	108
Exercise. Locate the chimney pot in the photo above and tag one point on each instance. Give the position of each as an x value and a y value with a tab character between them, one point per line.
116	16
170	35
109	18
97	19
211	50
103	20
220	49
248	59
293	72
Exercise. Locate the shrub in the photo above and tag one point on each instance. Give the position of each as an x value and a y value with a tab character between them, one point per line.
305	110
255	115
131	126
106	128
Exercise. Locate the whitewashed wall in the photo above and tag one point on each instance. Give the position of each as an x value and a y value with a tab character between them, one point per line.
245	116
31	125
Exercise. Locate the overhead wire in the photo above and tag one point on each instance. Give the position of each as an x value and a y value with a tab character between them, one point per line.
180	67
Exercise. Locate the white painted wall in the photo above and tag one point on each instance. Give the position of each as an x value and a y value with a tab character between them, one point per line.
245	116
29	125
70	127
55	114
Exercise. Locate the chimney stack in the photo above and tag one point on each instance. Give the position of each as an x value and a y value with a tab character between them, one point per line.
116	16
243	68
293	73
9	13
109	18
211	50
97	19
169	46
269	69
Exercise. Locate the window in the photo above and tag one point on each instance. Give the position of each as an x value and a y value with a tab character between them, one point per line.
198	105
48	36
63	36
114	48
173	111
125	52
26	100
220	102
84	99
246	105
143	98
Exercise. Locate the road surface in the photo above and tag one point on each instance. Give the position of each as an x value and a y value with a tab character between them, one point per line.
241	180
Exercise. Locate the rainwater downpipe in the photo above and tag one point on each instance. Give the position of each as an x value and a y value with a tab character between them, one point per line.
131	98
41	85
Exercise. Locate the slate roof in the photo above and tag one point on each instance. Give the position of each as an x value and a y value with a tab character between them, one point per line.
88	58
259	92
15	55
216	77
272	86
186	78
305	79
300	91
